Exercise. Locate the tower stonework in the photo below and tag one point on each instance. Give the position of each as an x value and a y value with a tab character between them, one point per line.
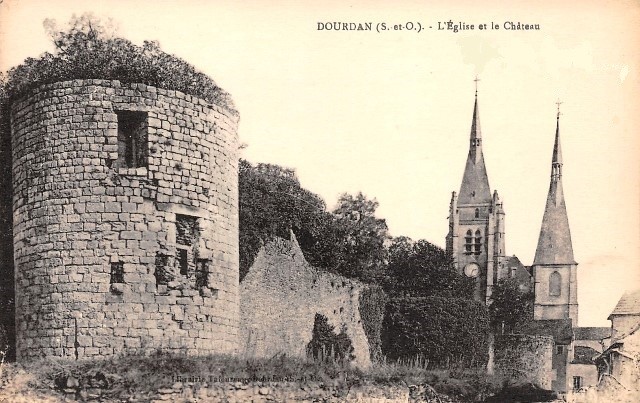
476	221
125	221
554	268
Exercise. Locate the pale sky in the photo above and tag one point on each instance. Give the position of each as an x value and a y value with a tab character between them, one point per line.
389	113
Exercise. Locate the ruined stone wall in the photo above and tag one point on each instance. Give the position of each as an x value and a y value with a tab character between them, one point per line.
299	391
280	296
125	221
527	358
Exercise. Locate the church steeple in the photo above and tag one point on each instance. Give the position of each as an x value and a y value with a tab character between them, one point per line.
554	243
475	182
476	220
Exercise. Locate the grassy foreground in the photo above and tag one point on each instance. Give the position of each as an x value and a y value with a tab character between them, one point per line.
136	378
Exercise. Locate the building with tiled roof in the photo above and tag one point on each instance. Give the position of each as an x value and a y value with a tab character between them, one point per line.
591	333
626	315
619	364
559	329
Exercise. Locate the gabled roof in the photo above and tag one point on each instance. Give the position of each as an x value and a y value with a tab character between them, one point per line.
584	355
559	329
629	304
523	275
591	333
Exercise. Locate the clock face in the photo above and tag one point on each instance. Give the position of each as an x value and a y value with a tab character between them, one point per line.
472	270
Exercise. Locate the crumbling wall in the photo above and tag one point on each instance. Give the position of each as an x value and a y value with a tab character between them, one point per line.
103	264
280	296
526	358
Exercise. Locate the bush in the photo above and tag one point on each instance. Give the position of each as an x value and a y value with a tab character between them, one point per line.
372	303
511	308
439	331
326	345
88	51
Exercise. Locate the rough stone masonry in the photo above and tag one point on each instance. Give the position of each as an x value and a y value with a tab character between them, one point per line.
125	221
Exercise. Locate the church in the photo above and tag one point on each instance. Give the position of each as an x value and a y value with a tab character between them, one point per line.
476	240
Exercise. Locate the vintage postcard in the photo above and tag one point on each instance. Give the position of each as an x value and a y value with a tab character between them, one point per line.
234	179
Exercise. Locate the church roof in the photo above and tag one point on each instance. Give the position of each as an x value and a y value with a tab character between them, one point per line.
475	181
591	333
554	243
559	329
629	304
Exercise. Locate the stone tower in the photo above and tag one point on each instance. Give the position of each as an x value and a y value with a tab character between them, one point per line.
125	205
476	221
554	268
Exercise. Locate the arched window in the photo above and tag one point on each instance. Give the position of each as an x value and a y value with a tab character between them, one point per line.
478	243
468	243
477	213
555	283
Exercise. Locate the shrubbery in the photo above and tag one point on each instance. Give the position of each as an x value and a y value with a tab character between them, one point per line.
372	304
422	269
87	50
327	345
441	331
511	308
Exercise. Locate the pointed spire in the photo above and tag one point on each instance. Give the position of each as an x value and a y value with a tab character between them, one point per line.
554	243
476	134
556	159
475	182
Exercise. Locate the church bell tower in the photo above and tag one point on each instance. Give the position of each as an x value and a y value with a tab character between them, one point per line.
554	269
476	220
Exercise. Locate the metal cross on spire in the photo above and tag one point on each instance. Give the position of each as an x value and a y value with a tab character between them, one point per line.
558	103
476	80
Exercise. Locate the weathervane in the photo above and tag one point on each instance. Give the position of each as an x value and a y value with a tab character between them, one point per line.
476	80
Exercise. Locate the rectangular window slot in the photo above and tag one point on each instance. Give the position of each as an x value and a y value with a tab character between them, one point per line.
183	261
132	139
162	270
117	273
202	272
186	229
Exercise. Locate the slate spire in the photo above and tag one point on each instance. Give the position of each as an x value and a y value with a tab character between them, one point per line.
475	182
554	243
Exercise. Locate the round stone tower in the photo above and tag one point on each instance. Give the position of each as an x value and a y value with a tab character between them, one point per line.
125	221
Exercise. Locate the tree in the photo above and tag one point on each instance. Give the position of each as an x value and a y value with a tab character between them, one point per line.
348	241
510	307
272	203
440	330
359	239
422	269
